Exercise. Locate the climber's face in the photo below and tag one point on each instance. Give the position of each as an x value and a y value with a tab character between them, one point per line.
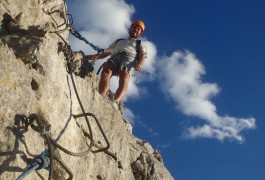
135	31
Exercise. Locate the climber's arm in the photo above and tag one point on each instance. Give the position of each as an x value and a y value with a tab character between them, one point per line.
140	61
94	57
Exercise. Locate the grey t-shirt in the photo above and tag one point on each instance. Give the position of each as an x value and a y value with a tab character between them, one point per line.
123	53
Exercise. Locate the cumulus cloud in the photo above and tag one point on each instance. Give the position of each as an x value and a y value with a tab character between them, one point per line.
163	146
128	115
134	120
104	16
181	79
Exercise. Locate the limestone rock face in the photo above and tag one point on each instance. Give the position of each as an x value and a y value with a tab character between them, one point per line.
39	105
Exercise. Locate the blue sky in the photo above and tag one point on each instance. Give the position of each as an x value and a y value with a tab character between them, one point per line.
200	97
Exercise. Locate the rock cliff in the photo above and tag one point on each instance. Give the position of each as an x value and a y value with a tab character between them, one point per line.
45	90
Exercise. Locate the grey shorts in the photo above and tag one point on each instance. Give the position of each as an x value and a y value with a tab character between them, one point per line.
123	60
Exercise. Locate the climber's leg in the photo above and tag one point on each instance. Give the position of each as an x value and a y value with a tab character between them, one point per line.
108	70
123	85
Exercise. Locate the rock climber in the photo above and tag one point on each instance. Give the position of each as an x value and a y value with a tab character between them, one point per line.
125	54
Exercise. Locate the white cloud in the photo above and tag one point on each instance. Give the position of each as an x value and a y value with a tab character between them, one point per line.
104	16
181	79
133	89
134	120
152	132
128	115
182	74
149	64
163	146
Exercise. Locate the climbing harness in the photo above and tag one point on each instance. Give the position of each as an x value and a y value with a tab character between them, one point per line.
138	44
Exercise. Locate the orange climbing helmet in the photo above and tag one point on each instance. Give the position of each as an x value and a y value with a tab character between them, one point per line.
139	23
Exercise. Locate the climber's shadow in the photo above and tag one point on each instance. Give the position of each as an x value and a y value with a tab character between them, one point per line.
11	25
18	130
